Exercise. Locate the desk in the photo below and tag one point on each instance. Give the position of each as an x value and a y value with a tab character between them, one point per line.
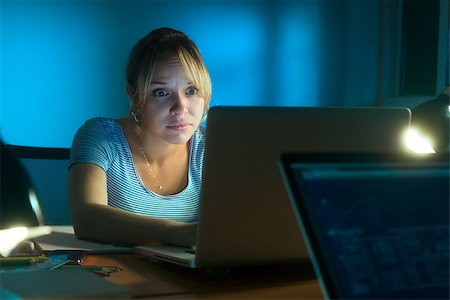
152	279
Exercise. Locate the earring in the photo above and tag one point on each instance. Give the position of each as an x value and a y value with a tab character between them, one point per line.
134	115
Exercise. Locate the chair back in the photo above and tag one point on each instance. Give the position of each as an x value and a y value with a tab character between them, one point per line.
48	171
18	200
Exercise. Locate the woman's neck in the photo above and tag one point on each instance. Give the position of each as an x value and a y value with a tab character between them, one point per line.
156	149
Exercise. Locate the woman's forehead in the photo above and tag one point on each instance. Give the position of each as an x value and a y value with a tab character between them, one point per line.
167	70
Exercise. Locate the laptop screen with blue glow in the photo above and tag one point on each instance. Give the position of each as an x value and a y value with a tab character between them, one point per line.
377	225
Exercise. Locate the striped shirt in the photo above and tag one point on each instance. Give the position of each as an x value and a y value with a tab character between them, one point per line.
101	141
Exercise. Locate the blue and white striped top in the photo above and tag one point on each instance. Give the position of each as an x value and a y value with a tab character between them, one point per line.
101	141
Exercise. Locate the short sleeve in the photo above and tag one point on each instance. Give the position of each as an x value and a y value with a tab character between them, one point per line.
93	143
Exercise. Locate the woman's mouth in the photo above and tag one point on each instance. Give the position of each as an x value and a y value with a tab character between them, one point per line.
179	126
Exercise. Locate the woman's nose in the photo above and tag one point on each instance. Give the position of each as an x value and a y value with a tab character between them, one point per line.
180	104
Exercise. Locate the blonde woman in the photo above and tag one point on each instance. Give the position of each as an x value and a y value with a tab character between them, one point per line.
136	180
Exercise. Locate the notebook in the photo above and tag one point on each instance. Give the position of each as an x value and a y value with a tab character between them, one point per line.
245	217
376	225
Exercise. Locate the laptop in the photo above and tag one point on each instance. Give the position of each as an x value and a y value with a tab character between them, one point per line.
376	225
245	217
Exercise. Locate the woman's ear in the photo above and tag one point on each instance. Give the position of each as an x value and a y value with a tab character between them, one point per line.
130	90
131	95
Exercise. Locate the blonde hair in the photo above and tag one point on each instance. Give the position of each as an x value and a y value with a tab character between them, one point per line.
159	44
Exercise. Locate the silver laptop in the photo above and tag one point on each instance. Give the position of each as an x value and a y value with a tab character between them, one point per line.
376	224
245	217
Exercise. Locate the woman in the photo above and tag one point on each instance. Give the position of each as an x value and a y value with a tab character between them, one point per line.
137	180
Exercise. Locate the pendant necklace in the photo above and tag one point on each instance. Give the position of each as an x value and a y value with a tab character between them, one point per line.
160	187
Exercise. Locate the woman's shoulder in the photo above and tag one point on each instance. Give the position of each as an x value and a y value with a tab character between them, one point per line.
100	125
101	122
97	140
99	129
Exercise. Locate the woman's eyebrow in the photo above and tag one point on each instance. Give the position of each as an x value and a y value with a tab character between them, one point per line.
161	82
158	82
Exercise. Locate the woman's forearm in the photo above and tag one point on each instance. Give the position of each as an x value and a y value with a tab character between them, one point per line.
94	220
102	223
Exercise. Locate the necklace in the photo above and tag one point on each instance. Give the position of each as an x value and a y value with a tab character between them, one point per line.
160	187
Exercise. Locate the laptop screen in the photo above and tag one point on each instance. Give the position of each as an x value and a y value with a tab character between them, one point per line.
378	227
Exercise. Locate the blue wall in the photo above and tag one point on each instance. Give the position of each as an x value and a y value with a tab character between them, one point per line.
63	61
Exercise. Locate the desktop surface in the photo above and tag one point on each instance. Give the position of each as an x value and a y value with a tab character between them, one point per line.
145	278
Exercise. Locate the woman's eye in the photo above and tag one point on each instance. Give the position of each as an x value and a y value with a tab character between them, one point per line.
192	90
160	93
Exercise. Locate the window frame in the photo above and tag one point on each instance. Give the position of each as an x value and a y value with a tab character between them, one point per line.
390	60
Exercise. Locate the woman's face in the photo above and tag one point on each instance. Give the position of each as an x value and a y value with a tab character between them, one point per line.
173	108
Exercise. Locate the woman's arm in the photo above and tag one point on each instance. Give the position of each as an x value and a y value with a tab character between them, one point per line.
94	220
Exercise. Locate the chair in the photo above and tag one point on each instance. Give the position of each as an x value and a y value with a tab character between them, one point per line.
48	172
18	201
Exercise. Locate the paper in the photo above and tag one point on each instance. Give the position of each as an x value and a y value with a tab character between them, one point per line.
63	238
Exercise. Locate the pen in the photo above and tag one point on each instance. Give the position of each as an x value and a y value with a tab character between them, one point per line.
93	268
13	261
58	265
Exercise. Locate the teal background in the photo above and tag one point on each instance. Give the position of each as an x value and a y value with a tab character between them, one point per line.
63	61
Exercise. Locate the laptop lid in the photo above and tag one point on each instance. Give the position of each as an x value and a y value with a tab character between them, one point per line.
376	225
245	216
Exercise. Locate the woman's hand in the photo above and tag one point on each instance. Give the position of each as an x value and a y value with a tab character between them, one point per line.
183	234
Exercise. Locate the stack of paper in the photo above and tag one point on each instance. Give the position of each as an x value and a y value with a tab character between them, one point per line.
63	238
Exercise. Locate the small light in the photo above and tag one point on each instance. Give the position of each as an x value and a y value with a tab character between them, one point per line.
417	143
11	237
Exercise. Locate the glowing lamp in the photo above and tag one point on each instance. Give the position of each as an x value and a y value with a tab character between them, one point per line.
430	125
